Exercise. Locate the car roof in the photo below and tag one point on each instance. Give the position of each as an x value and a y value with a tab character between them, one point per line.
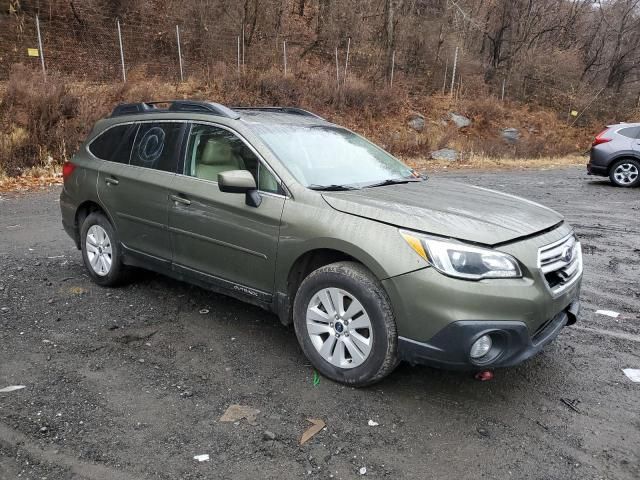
623	124
279	117
197	109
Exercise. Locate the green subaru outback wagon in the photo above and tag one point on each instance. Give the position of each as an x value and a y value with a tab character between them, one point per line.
371	262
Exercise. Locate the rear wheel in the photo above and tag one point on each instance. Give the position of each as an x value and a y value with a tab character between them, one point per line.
345	326
625	173
101	250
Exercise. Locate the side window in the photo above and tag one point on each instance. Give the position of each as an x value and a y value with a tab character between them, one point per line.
114	144
630	132
212	150
157	146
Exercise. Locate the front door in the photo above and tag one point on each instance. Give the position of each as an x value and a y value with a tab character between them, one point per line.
135	193
216	235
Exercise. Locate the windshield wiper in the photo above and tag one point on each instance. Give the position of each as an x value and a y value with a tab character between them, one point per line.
331	188
393	181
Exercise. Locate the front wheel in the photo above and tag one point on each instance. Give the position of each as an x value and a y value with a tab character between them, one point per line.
625	173
344	324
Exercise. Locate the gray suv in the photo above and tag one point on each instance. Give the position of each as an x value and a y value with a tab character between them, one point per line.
615	153
370	261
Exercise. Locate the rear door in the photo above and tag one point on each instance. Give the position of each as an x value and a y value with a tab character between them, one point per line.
134	187
217	236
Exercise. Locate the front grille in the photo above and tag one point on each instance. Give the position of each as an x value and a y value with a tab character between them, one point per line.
561	263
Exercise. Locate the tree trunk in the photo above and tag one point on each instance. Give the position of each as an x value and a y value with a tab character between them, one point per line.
324	9
389	30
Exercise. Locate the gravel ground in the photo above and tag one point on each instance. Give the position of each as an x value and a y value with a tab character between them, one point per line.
131	382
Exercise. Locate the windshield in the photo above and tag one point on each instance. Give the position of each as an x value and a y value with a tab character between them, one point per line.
326	156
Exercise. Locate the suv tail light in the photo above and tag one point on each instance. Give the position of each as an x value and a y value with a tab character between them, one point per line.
67	170
600	138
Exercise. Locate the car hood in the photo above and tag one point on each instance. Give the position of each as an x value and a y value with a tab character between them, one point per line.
449	209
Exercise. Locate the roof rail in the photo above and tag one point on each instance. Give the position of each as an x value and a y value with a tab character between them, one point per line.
131	108
292	110
194	106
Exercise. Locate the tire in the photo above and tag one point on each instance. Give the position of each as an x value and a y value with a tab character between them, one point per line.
625	173
93	244
352	362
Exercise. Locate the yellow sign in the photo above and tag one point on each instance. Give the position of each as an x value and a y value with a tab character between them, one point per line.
33	52
574	113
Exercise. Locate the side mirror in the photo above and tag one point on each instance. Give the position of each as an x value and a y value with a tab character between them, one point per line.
240	181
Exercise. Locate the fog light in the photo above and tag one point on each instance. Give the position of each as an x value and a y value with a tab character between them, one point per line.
481	347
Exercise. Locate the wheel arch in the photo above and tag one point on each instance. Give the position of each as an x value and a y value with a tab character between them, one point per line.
622	156
83	211
305	263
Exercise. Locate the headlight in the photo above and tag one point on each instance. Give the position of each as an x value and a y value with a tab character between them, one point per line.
461	260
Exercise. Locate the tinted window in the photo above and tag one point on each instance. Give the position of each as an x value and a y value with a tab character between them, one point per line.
114	144
157	146
212	150
631	132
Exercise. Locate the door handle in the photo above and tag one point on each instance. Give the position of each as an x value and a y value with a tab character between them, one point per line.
111	181
178	199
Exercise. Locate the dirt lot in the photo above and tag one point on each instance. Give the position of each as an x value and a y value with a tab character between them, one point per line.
130	383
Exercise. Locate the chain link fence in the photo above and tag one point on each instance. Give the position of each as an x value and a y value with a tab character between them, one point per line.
104	49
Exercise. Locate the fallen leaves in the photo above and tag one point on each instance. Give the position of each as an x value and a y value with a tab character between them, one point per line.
235	413
310	432
28	182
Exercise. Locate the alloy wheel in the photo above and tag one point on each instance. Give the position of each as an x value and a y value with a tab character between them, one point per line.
339	328
99	250
626	173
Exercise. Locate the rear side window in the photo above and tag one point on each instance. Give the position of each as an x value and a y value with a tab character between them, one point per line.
630	132
157	146
114	144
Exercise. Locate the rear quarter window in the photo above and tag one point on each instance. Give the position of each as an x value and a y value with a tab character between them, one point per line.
630	132
157	146
114	144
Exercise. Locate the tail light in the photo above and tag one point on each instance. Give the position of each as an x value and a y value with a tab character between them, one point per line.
67	170
600	138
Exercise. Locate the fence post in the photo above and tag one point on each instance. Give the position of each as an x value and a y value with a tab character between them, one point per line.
444	81
124	71
284	50
179	53
453	75
393	66
346	62
337	69
44	70
238	54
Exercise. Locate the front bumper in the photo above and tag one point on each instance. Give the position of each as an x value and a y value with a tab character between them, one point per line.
512	343
438	317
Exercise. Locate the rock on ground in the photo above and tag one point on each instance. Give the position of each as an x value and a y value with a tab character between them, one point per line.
416	121
511	135
445	154
460	120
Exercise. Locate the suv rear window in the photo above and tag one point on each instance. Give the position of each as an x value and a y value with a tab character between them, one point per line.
114	144
630	132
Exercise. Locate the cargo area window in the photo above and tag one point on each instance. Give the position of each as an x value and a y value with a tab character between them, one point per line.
114	144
